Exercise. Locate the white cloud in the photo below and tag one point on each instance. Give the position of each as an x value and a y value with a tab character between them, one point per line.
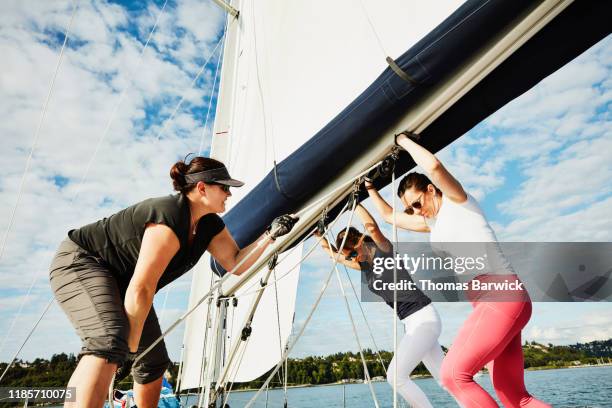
131	164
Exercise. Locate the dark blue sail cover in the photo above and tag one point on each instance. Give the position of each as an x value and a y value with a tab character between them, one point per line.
306	171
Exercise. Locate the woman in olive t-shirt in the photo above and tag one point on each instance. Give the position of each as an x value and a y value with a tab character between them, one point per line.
105	274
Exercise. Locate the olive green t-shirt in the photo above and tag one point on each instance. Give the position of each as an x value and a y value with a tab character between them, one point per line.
117	239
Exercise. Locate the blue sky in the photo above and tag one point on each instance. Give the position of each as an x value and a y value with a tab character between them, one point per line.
540	166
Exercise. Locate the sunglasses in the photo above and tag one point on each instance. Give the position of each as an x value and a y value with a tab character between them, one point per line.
415	205
352	255
224	187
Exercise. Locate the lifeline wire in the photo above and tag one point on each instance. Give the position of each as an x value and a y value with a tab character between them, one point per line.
310	314
27	338
365	320
354	327
43	114
394	294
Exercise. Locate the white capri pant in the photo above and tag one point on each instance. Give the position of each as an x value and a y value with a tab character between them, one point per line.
420	343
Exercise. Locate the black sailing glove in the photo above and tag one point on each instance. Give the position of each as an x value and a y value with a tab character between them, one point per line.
384	170
126	368
281	225
372	175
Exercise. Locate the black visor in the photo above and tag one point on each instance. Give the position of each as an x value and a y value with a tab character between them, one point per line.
218	176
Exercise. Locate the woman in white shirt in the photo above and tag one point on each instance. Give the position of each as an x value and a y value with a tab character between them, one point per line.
491	335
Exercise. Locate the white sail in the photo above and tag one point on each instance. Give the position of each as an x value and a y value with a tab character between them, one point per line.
289	68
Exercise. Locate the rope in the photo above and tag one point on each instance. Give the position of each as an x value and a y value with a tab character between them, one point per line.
43	114
261	94
348	309
366	321
310	314
233	376
394	293
280	337
204	344
212	92
193	82
367	16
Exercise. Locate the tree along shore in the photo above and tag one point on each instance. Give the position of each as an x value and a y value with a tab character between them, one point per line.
316	370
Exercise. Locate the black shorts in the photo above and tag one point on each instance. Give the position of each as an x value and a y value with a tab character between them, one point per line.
88	293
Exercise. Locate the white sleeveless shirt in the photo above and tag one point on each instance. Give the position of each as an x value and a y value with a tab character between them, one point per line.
465	222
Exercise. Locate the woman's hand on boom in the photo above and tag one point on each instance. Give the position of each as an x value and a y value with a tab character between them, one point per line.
433	167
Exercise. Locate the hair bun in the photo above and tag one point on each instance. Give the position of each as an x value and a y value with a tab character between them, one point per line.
195	165
177	173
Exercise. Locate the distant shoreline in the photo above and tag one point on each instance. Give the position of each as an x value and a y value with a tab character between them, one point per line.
420	376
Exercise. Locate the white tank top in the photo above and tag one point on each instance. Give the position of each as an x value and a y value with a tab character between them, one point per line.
460	223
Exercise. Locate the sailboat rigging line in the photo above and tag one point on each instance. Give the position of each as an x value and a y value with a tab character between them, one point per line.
261	96
365	320
204	364
367	16
280	337
233	376
163	309
286	379
193	82
395	240
227	7
355	333
341	187
180	371
12	360
41	119
310	314
212	93
118	104
314	246
248	321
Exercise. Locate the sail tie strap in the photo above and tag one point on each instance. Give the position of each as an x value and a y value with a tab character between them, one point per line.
400	72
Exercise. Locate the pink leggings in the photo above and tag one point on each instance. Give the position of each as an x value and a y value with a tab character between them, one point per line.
490	336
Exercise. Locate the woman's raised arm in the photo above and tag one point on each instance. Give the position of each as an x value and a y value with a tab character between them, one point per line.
372	229
410	222
434	169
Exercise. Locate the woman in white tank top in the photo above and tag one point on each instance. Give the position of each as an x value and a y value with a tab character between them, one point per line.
491	335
